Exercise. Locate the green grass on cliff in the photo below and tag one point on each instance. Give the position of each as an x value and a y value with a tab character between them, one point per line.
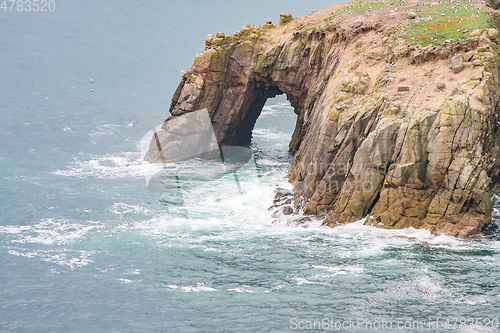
436	21
358	7
436	24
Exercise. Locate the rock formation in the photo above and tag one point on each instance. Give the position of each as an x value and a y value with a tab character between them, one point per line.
397	108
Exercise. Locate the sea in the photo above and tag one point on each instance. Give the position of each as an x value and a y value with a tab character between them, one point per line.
86	246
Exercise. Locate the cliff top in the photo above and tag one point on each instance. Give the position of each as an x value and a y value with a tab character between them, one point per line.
413	22
416	30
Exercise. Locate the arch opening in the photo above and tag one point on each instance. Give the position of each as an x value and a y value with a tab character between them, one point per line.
274	127
237	128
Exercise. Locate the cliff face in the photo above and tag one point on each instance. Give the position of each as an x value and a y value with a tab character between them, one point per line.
397	109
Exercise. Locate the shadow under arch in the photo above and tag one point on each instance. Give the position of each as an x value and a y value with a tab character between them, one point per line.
235	118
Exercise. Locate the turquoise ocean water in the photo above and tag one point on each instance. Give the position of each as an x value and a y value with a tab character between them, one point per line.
86	247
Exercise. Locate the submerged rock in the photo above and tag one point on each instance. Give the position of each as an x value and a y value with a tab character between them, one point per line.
364	143
287	210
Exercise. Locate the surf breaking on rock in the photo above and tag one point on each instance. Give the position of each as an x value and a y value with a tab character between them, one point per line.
413	114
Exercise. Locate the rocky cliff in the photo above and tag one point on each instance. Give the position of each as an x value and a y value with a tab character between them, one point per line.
397	108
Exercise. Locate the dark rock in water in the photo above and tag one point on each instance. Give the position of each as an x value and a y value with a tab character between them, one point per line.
282	197
287	210
280	193
427	159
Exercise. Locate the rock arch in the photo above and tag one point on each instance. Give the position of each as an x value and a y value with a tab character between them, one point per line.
234	80
366	143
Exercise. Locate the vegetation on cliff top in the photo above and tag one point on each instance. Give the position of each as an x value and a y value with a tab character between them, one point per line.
437	23
424	22
416	22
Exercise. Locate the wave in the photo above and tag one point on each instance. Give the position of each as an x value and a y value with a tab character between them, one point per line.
64	257
276	109
49	232
200	287
125	165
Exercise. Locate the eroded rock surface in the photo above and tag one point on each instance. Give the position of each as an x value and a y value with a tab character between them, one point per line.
386	128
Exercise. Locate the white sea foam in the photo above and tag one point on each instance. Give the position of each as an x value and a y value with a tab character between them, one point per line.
132	272
46	239
342	269
11	229
359	231
121	208
126	165
172	286
272	110
474	300
67	258
244	289
49	232
200	287
223	207
105	129
422	286
267	162
278	287
301	280
327	278
271	135
252	290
